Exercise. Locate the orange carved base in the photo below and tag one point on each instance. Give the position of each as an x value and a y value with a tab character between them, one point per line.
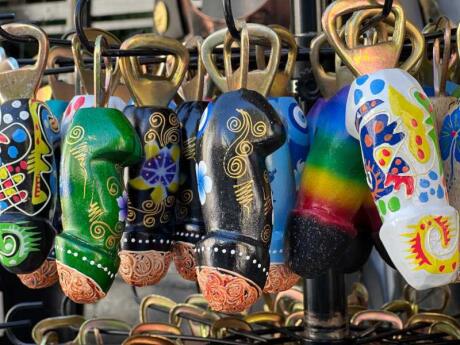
227	291
280	278
77	286
143	268
185	261
43	277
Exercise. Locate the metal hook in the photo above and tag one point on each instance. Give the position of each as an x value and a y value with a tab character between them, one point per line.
386	10
25	39
13	310
80	6
230	20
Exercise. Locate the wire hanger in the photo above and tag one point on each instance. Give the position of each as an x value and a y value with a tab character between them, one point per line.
230	20
386	10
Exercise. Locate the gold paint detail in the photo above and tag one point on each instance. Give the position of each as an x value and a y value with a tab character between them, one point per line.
245	195
236	166
190	148
158	133
152	211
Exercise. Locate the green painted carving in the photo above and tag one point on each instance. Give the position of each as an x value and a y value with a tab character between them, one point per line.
98	144
17	241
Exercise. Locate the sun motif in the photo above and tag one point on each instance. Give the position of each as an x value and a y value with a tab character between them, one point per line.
433	245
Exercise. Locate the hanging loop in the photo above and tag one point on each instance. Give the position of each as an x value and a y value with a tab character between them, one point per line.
79	8
386	10
230	20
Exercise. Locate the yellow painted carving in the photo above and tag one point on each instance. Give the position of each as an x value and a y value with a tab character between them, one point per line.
432	245
413	119
36	165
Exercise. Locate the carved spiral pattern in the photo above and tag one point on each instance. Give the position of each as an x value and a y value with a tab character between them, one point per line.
280	278
77	286
113	187
185	261
165	132
98	229
266	234
46	275
236	165
143	268
75	135
225	291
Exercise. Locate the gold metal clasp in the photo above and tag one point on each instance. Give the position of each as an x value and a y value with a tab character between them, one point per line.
153	90
365	59
25	81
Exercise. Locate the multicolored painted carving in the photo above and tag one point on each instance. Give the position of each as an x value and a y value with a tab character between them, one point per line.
85	101
235	136
46	275
449	131
28	184
393	118
98	144
146	247
321	227
283	166
189	227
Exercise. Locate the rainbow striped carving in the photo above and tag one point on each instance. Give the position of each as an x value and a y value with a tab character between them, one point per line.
393	118
332	190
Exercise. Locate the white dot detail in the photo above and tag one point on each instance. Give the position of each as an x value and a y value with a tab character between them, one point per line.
99	265
263	270
92	262
69	251
254	261
216	249
232	252
259	266
75	254
24	115
224	251
16	104
84	258
133	240
247	257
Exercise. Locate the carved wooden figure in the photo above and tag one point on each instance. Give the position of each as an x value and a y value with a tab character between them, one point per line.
285	165
235	135
27	167
146	248
98	144
390	114
189	225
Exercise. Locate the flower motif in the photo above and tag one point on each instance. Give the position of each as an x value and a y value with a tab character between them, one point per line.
448	141
159	172
204	182
205	117
122	202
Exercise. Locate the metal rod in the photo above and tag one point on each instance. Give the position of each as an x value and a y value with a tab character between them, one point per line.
326	308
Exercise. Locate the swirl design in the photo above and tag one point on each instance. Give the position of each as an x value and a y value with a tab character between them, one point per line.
142	269
152	212
162	131
266	234
75	135
46	275
280	278
78	287
236	165
225	291
185	260
113	187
